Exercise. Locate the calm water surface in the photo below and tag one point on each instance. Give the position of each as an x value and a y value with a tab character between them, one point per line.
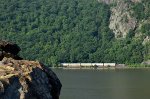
104	84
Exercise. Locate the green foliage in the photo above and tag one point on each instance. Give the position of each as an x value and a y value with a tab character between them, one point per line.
138	65
138	9
55	31
130	34
141	10
146	29
126	51
147	51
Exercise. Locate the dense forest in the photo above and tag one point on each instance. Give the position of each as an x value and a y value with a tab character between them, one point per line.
56	31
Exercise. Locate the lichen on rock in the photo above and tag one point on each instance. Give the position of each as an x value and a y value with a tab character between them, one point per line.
121	19
121	22
23	79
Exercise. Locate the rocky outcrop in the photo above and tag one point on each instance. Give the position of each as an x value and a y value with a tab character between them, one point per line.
121	21
23	79
146	62
107	1
136	1
8	49
146	40
114	1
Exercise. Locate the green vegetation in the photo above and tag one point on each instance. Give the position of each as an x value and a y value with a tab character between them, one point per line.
138	66
55	31
146	29
141	10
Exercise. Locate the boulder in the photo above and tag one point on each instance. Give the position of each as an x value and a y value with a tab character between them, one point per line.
146	62
23	79
8	49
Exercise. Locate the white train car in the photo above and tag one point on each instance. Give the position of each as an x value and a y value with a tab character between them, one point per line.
86	64
98	64
89	65
71	65
64	64
74	65
109	64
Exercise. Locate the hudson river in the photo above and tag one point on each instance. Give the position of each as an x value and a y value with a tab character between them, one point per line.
104	84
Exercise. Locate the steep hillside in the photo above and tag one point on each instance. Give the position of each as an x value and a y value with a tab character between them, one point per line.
130	18
55	31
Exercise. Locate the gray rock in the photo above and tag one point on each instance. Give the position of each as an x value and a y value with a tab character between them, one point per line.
23	79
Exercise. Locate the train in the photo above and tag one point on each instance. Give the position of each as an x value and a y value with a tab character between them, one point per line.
80	65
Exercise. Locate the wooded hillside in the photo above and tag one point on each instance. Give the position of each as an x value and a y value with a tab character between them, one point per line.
56	31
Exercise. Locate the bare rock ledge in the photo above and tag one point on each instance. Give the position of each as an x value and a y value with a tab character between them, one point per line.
23	79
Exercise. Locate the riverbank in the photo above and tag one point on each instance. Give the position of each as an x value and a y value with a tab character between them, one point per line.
104	84
108	68
101	66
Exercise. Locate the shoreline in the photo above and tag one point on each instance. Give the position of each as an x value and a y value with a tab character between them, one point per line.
106	68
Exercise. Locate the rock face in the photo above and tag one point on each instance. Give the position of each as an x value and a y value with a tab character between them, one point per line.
23	79
146	40
8	49
113	1
121	21
146	62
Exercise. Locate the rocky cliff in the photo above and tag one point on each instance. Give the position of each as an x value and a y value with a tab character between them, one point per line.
131	19
121	20
23	79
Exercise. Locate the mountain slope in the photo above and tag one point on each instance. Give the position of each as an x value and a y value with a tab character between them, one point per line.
77	30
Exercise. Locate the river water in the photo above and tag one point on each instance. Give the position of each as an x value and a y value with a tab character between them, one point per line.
104	84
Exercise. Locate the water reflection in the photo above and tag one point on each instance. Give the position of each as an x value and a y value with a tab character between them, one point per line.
104	84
